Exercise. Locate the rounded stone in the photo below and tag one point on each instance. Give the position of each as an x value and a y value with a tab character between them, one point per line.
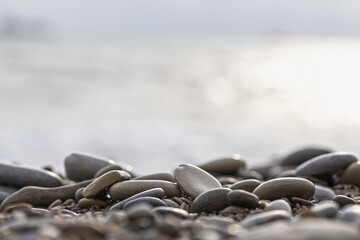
79	167
343	200
246	185
154	202
243	199
351	174
285	187
166	211
323	193
279	204
229	165
154	192
193	180
105	181
264	217
123	190
326	209
40	196
211	200
326	164
157	176
302	155
17	176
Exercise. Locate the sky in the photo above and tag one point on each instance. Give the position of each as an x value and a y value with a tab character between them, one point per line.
190	18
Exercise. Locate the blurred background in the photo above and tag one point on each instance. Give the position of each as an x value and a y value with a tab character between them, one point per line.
158	83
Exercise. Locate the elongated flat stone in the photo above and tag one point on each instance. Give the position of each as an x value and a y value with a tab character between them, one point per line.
302	155
17	176
41	196
246	185
165	211
243	199
104	181
154	192
116	166
79	167
264	217
229	165
123	190
154	202
211	200
326	164
285	187
157	176
343	200
193	180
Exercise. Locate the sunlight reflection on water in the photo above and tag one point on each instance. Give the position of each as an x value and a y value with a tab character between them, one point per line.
157	103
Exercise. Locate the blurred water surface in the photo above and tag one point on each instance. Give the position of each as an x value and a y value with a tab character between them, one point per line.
155	103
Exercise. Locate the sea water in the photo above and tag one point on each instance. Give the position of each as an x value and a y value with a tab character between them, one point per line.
156	103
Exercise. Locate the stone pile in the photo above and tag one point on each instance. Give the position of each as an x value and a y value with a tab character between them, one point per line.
312	193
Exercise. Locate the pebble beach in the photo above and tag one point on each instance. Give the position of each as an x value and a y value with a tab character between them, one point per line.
311	193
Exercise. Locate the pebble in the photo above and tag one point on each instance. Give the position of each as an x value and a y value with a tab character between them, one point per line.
323	193
306	229
55	203
193	180
105	181
79	194
152	201
246	185
116	166
79	167
285	187
350	213
157	176
123	190
165	211
158	209
264	217
326	164
279	204
154	192
86	203
351	174
243	199
40	196
211	200
17	176
343	200
229	165
302	155
326	209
